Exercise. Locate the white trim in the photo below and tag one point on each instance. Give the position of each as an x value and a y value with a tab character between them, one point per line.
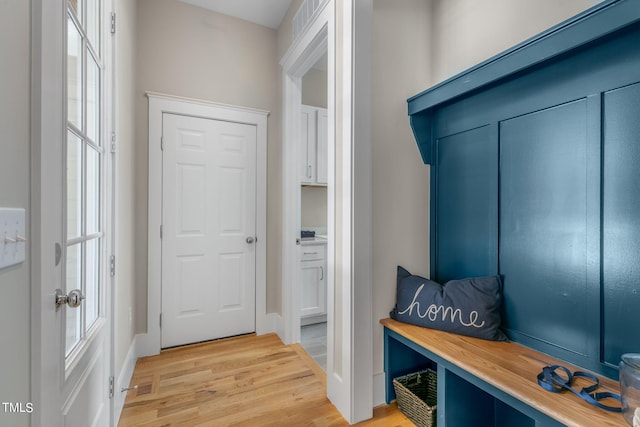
124	378
270	324
362	391
306	13
47	134
292	57
150	342
111	175
205	103
379	397
339	378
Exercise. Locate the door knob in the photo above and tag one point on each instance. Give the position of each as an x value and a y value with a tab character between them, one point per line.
250	240
73	300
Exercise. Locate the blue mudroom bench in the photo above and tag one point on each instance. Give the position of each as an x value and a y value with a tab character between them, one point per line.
488	383
535	176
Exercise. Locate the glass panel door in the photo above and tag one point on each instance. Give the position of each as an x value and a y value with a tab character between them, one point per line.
84	178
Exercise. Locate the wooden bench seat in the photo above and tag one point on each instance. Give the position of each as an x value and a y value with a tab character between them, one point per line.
502	373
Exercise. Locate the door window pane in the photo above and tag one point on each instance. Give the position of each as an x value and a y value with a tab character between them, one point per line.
76	6
93	279
93	23
74	75
74	186
93	191
74	281
93	95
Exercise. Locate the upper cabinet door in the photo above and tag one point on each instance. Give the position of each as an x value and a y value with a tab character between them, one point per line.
322	148
307	145
313	146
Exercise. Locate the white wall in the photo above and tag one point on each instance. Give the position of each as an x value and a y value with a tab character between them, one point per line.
125	279
15	304
192	52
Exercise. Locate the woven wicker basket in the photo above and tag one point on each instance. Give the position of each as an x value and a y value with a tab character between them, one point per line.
417	397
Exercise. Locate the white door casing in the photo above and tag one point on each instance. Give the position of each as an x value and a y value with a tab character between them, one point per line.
349	300
159	105
209	222
74	390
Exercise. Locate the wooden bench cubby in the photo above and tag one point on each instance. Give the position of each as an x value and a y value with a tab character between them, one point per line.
488	383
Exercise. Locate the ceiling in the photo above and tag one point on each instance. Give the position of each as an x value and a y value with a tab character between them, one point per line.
268	13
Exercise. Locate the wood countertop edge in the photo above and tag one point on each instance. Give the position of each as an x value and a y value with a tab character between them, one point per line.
552	404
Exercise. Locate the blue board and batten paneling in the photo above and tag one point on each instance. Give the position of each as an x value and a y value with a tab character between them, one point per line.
535	175
621	222
468	215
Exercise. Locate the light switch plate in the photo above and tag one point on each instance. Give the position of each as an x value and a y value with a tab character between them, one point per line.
12	236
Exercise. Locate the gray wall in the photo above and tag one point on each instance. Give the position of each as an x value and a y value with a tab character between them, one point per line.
15	305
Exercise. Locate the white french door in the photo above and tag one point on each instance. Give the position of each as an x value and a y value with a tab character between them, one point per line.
71	214
209	229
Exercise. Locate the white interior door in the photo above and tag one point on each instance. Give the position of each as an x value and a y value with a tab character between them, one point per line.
208	229
72	322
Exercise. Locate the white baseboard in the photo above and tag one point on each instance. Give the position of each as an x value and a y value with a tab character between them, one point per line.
278	325
148	343
310	320
124	378
268	324
379	392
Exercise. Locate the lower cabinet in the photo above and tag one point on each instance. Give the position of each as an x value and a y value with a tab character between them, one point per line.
313	292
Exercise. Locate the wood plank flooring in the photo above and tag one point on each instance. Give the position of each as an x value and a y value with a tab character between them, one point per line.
242	381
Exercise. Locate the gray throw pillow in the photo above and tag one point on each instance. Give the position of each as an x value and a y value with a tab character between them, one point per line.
467	306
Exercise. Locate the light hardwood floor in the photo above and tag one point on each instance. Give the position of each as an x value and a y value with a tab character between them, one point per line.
242	381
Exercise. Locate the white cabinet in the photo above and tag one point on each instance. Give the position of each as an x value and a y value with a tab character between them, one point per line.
322	149
313	146
313	289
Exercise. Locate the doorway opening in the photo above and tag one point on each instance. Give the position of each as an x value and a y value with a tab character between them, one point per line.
314	158
348	284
